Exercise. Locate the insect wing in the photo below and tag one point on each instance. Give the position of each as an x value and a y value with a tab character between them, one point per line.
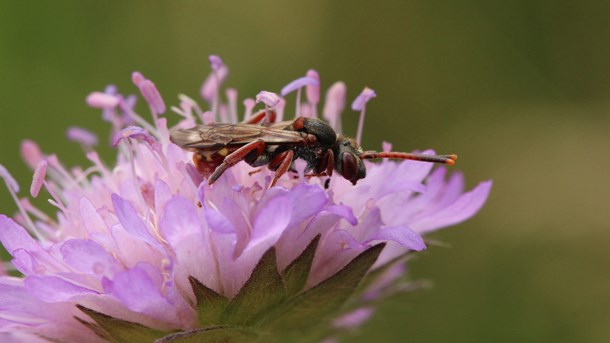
219	135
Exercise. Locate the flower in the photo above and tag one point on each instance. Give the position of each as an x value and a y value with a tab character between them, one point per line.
146	250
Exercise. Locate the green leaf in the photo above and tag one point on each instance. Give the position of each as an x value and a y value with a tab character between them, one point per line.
263	291
322	302
117	330
210	305
296	274
211	334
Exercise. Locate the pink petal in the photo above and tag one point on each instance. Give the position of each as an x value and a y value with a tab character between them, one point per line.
186	234
89	257
273	215
401	235
130	219
14	237
136	290
467	205
54	289
354	318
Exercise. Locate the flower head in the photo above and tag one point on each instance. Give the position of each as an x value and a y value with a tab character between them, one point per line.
146	247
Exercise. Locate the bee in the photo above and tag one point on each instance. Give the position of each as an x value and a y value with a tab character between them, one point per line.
217	147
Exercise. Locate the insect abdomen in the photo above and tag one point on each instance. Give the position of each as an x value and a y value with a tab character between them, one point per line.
207	161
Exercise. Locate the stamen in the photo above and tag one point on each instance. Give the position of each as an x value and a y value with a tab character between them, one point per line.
193	104
208	118
56	199
297	85
13	189
128	110
97	162
334	105
150	93
215	62
82	136
279	110
211	86
27	205
31	154
313	92
102	100
135	132
58	172
212	83
232	100
359	104
38	179
297	110
270	100
9	180
386	146
249	105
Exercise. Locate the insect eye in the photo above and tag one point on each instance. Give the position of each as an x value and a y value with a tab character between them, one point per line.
350	166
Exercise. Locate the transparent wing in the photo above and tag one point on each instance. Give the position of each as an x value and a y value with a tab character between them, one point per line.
218	135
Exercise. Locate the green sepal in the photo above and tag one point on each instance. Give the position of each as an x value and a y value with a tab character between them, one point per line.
211	334
263	291
210	305
296	274
320	303
373	275
118	330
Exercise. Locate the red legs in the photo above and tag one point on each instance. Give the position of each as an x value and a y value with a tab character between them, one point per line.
325	164
286	160
259	117
330	162
236	156
255	171
446	159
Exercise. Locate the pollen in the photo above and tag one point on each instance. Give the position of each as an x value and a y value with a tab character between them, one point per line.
223	152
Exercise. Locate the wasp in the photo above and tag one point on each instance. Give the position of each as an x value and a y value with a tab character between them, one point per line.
218	147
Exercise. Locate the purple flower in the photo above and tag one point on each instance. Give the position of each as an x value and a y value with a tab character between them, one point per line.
147	244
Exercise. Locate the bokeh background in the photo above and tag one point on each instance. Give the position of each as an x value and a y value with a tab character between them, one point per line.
519	89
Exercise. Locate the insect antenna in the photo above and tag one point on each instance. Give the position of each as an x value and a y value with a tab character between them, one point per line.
445	159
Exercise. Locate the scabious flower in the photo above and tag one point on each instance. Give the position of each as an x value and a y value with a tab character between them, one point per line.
146	250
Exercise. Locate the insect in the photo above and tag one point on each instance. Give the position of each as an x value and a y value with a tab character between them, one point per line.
218	147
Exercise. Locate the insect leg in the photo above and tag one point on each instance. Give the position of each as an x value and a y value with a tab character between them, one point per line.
255	171
286	162
260	116
330	158
236	156
326	163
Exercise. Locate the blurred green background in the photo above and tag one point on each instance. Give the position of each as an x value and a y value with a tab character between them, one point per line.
519	89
